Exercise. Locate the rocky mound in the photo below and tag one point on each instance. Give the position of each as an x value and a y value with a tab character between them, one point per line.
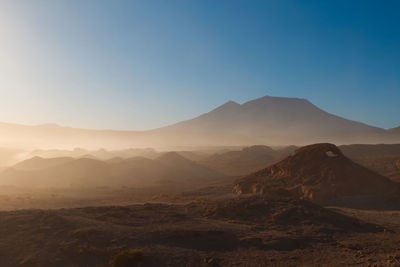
321	173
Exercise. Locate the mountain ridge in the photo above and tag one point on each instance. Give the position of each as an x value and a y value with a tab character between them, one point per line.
277	120
266	120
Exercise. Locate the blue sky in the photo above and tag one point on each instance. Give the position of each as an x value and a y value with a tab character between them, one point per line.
143	64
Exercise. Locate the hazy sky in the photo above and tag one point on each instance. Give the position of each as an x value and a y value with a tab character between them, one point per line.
144	63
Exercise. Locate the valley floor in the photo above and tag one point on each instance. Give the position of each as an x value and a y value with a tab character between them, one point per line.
195	232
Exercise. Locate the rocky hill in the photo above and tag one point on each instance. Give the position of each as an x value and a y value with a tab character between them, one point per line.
322	174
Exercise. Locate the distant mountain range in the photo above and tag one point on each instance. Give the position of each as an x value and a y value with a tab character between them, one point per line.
267	120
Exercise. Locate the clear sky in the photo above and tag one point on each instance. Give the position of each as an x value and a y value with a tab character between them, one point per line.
142	64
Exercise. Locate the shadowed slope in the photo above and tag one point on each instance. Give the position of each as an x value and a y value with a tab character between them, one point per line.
382	158
178	163
245	161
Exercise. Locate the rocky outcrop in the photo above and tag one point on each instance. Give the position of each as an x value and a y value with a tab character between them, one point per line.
321	173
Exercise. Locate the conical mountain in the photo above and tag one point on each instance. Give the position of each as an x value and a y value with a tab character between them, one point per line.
277	120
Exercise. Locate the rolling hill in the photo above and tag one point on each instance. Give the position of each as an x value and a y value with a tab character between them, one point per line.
169	170
37	163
